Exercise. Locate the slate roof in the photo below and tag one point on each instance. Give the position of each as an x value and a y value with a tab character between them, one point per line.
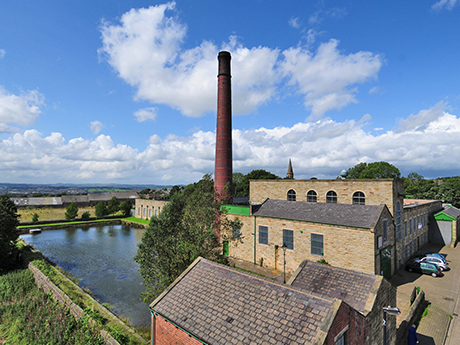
452	211
354	288
361	216
222	305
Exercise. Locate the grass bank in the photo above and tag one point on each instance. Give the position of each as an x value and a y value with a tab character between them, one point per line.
30	316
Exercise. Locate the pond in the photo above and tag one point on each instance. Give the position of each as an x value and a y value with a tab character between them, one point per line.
102	258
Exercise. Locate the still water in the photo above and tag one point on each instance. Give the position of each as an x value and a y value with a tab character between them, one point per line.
102	258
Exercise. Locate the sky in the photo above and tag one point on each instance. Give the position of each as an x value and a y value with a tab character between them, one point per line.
126	91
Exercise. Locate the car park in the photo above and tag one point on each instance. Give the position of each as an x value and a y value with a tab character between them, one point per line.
416	265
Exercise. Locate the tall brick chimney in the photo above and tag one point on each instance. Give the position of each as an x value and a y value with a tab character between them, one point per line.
223	164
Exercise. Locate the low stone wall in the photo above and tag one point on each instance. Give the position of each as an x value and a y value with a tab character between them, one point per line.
413	315
44	282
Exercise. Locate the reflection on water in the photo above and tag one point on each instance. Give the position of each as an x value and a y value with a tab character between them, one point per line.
102	257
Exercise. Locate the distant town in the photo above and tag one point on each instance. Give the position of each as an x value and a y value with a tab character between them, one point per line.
37	190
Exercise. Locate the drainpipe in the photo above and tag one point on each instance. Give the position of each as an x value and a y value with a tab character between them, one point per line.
255	263
152	341
276	251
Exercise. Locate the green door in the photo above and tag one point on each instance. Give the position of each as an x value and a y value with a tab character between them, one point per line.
385	262
225	249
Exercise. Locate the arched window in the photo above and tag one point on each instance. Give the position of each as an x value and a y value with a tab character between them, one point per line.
311	196
398	222
359	198
331	197
291	195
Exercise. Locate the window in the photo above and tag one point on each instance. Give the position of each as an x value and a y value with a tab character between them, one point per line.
405	228
291	195
410	226
236	232
263	234
138	211
398	221
288	239
312	196
385	230
359	198
156	214
407	251
150	213
143	213
331	197
317	244
340	340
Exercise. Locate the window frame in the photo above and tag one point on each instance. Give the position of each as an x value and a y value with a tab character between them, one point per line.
266	227
289	244
359	198
331	197
311	194
316	241
291	195
385	230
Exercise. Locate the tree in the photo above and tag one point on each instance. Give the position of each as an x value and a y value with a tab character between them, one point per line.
101	209
376	170
9	220
71	211
174	190
184	230
449	191
85	215
241	182
35	217
114	205
125	207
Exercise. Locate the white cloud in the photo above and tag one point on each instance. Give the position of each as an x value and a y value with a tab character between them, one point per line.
2	53
422	120
448	4
146	114
321	148
294	22
19	110
325	78
145	50
96	126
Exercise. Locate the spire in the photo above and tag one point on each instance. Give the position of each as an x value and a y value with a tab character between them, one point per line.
290	172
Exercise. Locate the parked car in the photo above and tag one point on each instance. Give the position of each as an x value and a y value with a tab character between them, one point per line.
435	258
417	265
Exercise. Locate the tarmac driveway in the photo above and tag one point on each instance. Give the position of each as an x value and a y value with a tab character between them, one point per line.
442	294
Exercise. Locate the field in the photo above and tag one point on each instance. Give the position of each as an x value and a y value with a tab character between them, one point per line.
49	213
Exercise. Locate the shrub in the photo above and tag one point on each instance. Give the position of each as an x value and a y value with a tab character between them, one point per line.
72	211
35	217
86	215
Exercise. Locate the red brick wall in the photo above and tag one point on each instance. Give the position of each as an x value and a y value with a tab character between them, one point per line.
356	333
168	334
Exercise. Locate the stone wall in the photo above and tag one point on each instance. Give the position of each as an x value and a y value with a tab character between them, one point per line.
44	282
384	296
413	315
146	209
346	247
376	192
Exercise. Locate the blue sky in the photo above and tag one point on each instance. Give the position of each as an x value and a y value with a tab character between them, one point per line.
125	92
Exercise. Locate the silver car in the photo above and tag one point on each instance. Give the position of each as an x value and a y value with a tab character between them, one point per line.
443	265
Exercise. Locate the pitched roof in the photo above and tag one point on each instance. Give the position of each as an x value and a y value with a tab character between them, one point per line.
221	305
452	211
355	288
361	216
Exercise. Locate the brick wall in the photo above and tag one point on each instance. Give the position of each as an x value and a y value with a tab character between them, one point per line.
350	322
166	334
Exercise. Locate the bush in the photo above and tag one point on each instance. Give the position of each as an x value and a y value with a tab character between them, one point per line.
86	215
35	217
72	211
101	209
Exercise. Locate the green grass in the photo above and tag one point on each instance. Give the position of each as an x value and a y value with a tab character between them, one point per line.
80	298
30	316
138	220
